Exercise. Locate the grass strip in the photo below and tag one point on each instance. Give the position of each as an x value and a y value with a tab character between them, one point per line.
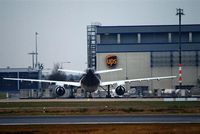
98	108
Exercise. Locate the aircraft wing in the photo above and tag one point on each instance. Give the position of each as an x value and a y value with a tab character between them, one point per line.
122	82
77	84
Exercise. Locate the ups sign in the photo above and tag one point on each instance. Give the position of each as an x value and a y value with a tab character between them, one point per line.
111	61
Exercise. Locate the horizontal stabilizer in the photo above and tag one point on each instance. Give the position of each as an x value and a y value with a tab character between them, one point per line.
107	71
72	71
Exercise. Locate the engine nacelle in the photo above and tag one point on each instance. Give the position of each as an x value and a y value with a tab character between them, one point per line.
120	90
60	91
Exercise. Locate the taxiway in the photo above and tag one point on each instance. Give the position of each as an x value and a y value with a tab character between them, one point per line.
29	120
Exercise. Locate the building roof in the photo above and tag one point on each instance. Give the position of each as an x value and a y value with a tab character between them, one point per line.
17	70
147	29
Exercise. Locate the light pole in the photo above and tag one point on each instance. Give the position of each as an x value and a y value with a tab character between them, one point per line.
36	52
33	54
179	13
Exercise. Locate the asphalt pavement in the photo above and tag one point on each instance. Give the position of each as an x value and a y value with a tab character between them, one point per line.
28	120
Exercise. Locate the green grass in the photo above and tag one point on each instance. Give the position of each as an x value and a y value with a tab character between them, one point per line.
92	104
98	108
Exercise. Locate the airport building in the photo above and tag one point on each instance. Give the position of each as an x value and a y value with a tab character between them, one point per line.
27	73
146	51
26	89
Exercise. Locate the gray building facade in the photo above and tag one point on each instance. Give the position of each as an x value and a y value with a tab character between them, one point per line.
147	51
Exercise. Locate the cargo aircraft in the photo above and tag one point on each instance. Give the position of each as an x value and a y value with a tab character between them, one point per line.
91	80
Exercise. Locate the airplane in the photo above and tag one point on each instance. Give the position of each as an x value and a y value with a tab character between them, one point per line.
90	81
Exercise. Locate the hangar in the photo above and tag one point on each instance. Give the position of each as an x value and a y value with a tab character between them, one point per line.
146	51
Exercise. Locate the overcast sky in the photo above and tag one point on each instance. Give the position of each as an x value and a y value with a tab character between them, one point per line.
61	25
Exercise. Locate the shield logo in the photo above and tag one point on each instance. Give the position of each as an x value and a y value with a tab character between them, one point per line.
111	61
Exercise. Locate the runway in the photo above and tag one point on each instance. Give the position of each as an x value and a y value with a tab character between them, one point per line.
30	120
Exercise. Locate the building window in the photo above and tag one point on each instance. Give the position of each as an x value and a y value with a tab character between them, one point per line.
108	39
166	59
128	38
160	59
188	58
93	42
196	36
98	39
184	37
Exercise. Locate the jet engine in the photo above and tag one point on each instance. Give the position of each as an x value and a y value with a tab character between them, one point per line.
60	91
120	90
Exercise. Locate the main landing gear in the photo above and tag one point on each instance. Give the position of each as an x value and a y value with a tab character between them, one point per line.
88	95
71	92
108	92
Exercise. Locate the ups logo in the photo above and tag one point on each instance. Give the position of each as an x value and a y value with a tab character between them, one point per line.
111	61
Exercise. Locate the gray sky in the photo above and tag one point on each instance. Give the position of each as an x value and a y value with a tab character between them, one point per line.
61	25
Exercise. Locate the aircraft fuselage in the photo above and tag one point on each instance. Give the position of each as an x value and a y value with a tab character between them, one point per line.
90	81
